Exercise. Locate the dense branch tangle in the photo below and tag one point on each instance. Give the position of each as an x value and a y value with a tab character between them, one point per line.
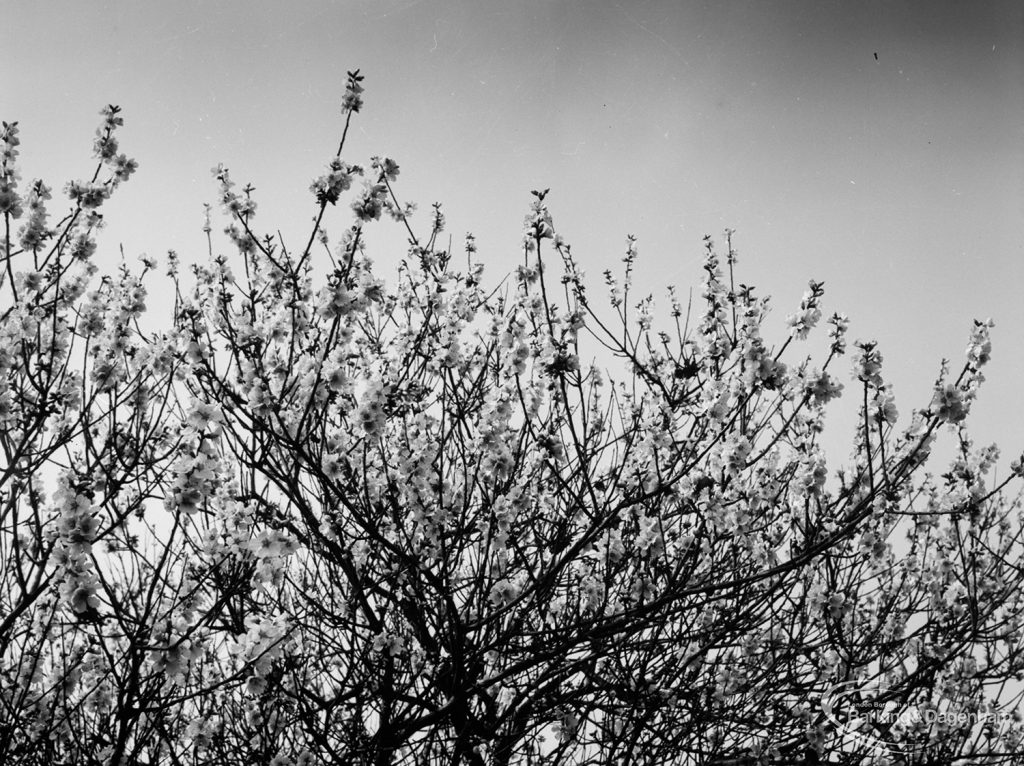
411	523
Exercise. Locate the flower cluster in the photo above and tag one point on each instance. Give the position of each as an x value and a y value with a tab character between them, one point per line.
805	320
537	224
371	202
10	200
34	233
352	101
241	205
74	529
328	188
105	145
197	476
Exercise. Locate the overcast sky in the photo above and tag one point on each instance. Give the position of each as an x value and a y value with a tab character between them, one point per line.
878	146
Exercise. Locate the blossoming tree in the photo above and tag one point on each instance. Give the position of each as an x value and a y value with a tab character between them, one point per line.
326	519
87	424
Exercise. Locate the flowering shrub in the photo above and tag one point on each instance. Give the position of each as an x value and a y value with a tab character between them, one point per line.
324	519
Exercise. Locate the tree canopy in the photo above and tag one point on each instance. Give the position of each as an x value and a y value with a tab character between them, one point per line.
317	517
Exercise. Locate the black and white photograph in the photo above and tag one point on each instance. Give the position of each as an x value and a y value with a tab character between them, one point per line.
511	383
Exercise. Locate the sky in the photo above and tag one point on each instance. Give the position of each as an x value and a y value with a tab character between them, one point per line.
875	146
